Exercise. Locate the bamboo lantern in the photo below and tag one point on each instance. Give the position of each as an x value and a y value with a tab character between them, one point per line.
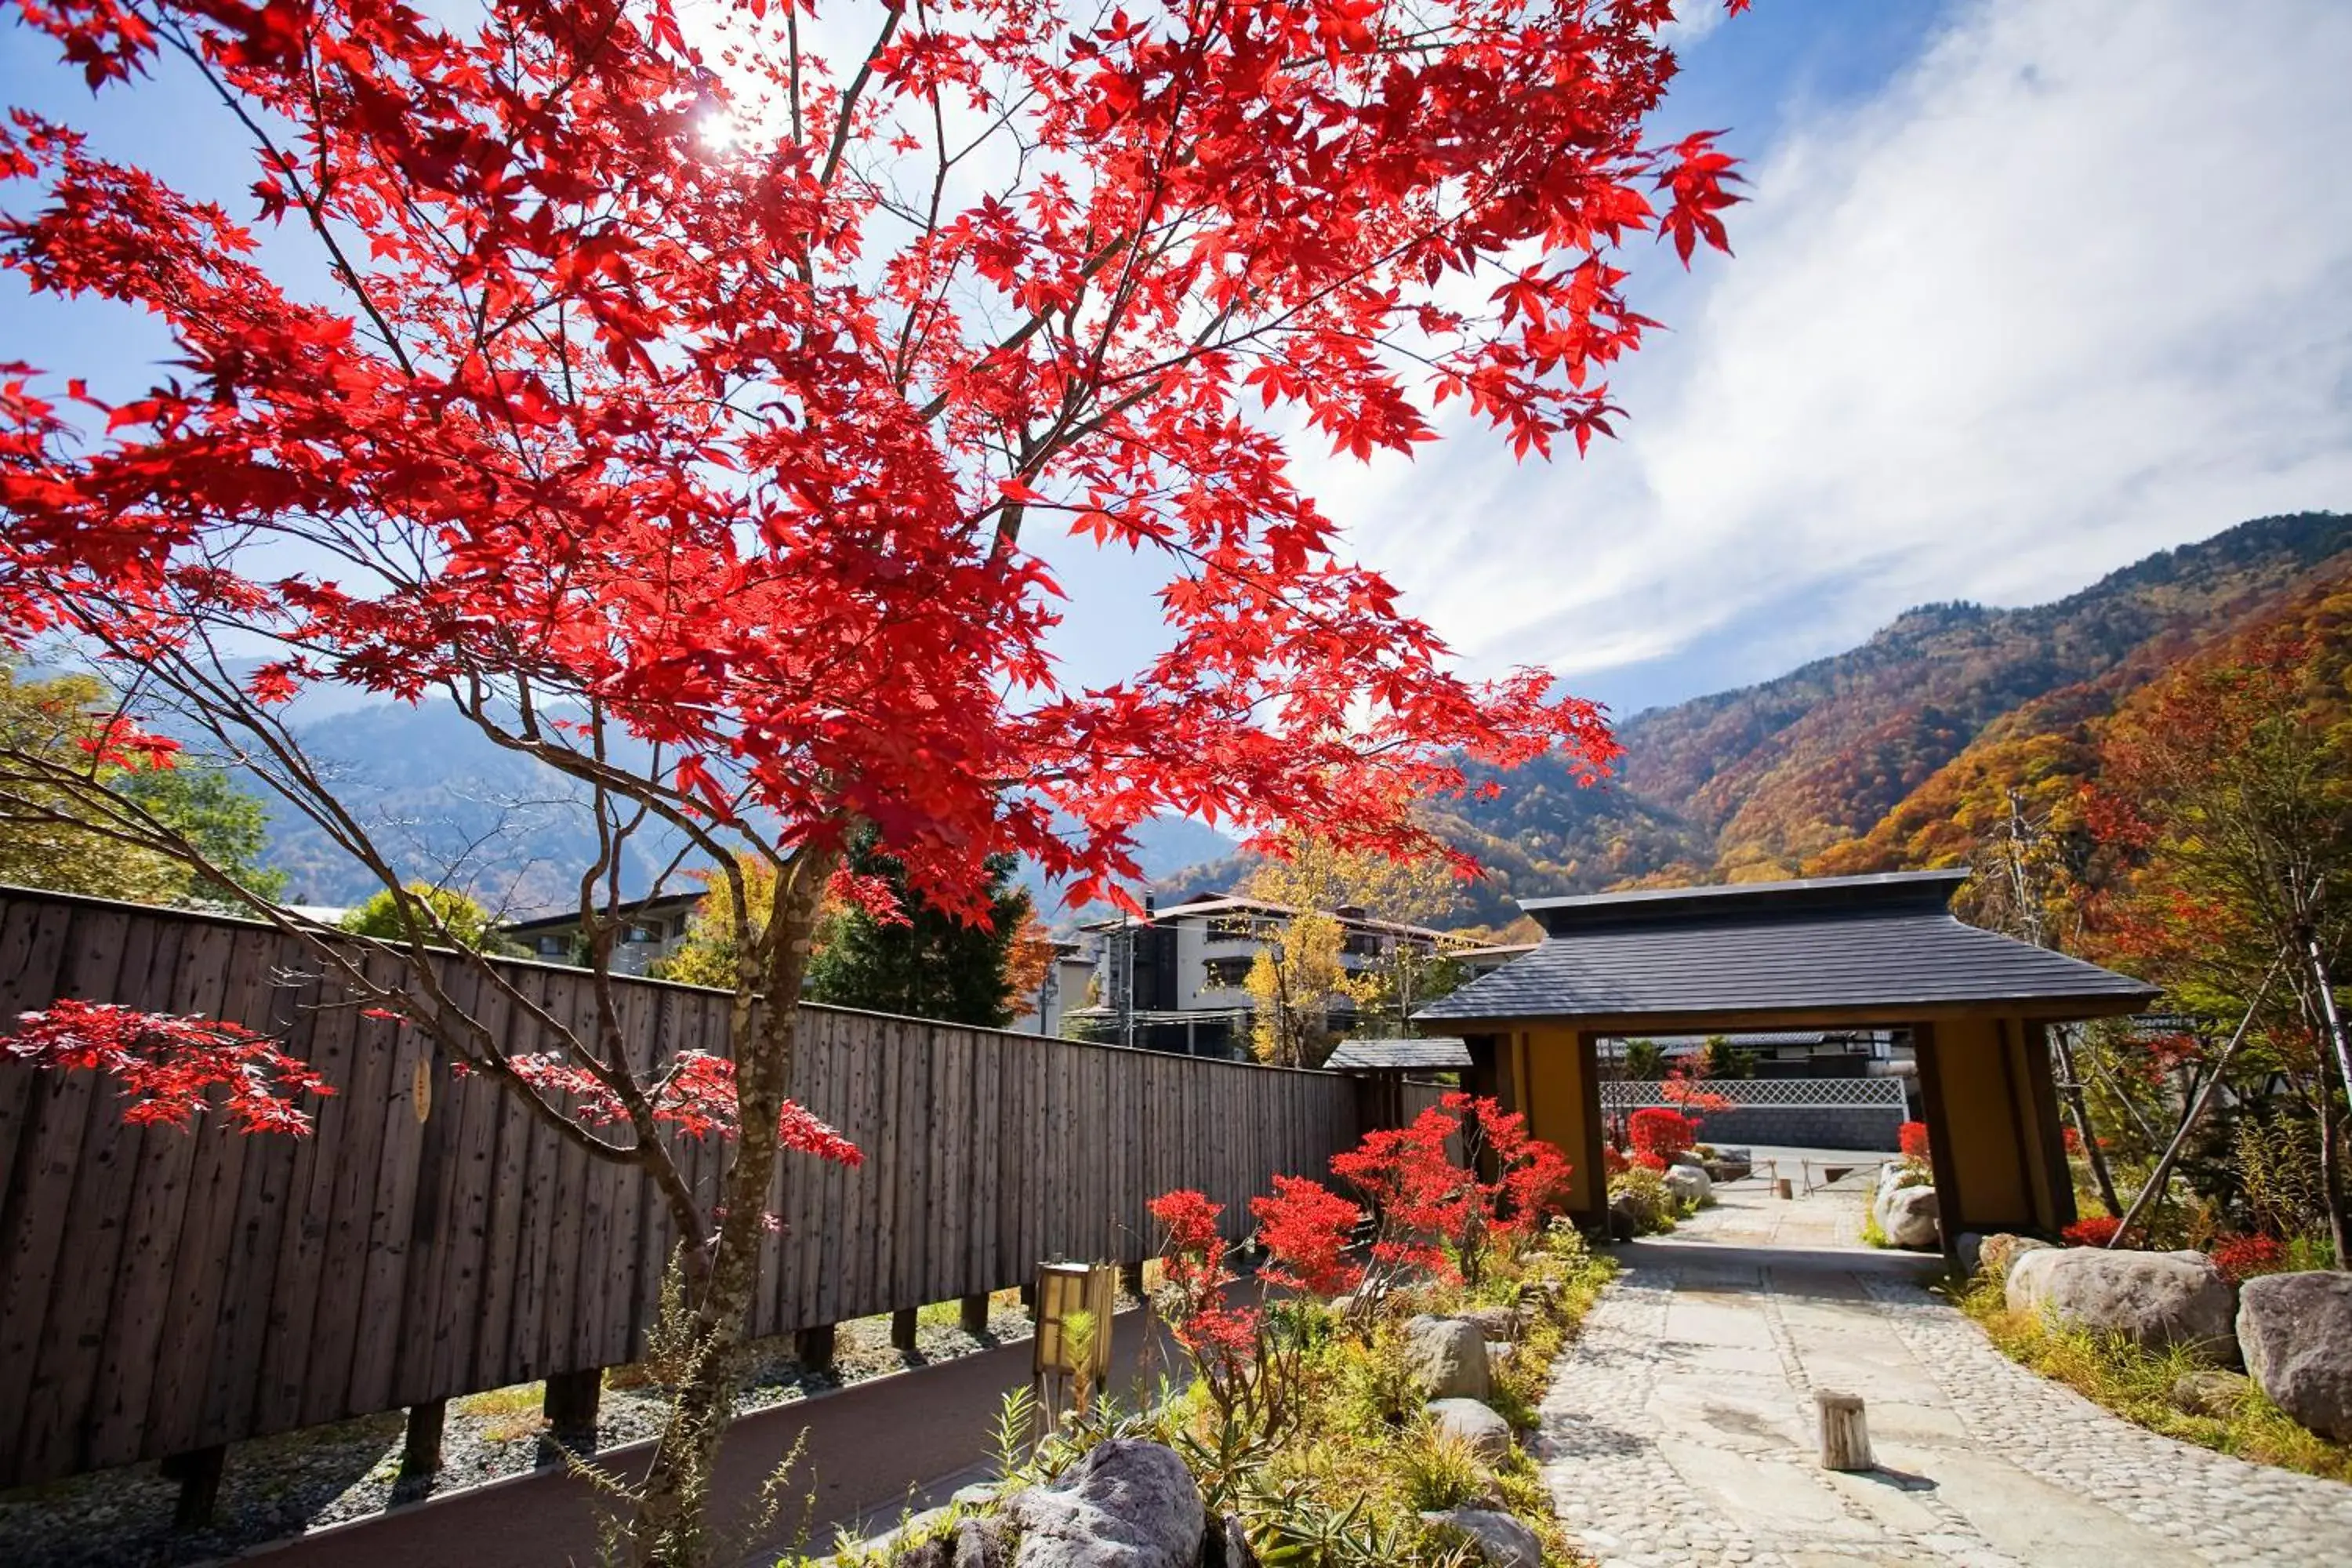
1059	1359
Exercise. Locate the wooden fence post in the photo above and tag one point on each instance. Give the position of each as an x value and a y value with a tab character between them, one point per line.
974	1314
813	1348
573	1398
421	1455
903	1324
1131	1279
198	1471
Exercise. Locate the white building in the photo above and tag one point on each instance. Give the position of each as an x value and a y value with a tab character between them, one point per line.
1173	979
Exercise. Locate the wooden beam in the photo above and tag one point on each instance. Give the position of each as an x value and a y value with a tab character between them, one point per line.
1950	1199
1595	1215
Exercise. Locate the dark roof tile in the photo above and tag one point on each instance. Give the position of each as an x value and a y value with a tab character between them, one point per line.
1824	944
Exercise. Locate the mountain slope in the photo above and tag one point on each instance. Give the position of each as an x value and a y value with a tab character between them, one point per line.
1882	756
1774	779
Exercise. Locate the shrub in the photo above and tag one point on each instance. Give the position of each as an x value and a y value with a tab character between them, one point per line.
1644	1192
1305	1227
1439	1472
2096	1231
1660	1134
2241	1258
1913	1138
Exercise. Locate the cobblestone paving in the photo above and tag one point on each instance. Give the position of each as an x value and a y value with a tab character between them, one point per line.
1680	1429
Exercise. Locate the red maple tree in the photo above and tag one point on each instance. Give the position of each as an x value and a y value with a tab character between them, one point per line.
684	402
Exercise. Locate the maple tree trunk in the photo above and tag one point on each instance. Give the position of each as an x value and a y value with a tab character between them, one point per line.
670	1527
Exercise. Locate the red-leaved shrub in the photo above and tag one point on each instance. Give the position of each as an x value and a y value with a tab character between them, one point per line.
1660	1134
1305	1227
2241	1258
2096	1231
1914	1140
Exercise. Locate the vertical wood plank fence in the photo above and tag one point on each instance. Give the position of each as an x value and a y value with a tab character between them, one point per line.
164	1291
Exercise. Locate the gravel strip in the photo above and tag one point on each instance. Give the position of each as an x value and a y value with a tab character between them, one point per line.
282	1486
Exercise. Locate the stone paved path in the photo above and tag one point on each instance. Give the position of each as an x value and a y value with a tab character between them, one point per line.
1680	1428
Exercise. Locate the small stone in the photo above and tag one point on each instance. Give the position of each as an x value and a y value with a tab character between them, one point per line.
1495	1323
1446	1358
1474	1425
1689	1185
1502	1541
1226	1545
1908	1217
1999	1252
2211	1391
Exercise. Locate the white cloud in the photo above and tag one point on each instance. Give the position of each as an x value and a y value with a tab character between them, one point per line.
1696	19
2074	287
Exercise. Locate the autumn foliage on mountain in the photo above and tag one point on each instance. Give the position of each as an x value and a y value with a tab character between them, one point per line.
1902	752
684	399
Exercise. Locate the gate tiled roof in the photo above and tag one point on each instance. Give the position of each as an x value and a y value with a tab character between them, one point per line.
1826	944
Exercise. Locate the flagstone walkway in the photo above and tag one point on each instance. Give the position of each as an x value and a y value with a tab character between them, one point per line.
1680	1428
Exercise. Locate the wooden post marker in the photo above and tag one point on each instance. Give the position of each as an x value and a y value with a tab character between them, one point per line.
421	1456
974	1313
1784	1188
572	1402
813	1348
903	1324
1845	1435
198	1471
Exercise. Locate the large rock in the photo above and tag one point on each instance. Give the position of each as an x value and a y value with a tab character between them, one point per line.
1907	1216
2296	1333
1689	1185
1501	1540
1128	1504
1472	1424
1446	1358
1999	1252
2156	1300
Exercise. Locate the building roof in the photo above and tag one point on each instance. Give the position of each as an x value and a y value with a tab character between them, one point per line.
1829	945
1203	905
565	920
1394	1056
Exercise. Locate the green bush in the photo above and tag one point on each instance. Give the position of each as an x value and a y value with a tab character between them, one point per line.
1646	1191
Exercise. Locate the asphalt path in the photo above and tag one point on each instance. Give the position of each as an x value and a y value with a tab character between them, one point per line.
873	1449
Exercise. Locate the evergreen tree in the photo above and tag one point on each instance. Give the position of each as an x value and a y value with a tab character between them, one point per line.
928	964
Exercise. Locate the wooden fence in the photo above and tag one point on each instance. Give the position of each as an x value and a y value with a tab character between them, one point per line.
165	1291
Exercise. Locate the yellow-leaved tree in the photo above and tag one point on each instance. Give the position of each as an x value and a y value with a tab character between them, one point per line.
1301	967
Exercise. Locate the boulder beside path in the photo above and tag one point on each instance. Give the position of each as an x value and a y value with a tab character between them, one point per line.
2155	1299
2296	1333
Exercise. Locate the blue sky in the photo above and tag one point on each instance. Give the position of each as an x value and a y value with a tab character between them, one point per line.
2026	289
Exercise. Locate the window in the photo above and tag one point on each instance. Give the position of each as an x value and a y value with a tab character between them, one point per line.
554	946
1361	944
1225	973
1231	928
